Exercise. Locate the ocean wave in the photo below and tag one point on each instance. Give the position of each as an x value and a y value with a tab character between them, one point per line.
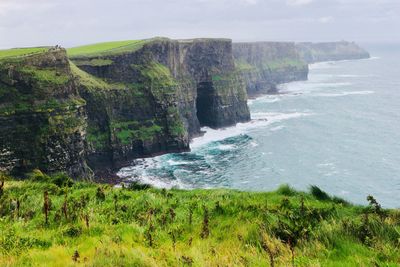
226	147
259	119
177	162
331	64
277	128
142	171
344	93
322	65
159	183
300	88
265	99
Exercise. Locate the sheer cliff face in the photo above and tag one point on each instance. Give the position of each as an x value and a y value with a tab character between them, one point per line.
208	90
158	96
317	52
221	94
42	116
263	65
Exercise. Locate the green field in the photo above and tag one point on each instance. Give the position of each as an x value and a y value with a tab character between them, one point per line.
107	48
53	221
17	52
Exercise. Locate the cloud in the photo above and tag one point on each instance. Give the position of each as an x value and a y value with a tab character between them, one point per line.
326	19
250	2
298	2
75	22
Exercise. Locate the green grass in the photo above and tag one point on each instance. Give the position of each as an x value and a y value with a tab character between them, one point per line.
97	138
156	74
244	66
92	82
128	131
45	76
107	48
94	62
142	226
18	52
48	106
284	63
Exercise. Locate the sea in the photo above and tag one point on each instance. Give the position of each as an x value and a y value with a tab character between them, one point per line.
339	130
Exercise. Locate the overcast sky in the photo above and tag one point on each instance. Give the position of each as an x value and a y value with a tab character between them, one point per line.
75	22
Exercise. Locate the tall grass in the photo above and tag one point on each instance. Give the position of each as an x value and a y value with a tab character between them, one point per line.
97	225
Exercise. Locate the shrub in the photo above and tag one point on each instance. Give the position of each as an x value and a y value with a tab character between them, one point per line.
100	195
339	200
38	176
318	193
73	231
136	186
61	180
286	190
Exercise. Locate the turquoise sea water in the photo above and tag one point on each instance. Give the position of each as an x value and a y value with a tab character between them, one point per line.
340	130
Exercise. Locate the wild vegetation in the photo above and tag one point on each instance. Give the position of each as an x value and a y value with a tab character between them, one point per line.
91	82
54	220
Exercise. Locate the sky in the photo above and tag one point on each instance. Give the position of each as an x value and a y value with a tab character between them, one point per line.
76	22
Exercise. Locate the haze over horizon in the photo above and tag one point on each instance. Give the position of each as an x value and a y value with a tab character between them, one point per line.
71	23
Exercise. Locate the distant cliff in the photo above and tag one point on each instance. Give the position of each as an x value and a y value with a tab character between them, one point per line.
263	65
110	106
330	51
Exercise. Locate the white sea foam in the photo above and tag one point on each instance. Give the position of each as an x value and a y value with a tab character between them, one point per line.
138	172
333	64
301	88
177	162
259	119
322	65
277	128
254	144
158	183
226	147
351	76
344	93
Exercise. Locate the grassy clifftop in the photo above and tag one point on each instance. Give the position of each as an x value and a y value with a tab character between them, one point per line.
98	225
17	52
107	48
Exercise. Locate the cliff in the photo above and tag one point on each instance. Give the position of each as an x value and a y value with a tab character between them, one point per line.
330	51
263	65
114	102
157	95
42	116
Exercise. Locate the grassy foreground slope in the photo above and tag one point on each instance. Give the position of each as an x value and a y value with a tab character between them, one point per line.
53	221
